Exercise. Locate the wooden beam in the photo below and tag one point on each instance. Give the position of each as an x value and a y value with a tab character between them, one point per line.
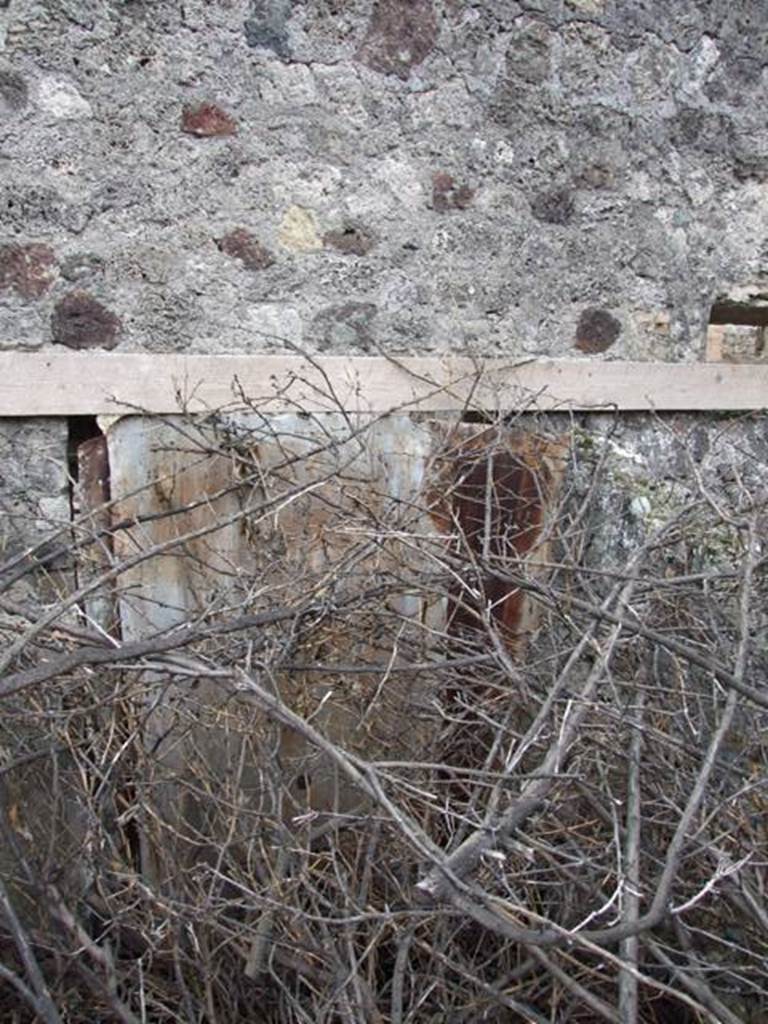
92	383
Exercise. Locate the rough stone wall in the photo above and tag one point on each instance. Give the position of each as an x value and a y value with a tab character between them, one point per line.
547	176
34	489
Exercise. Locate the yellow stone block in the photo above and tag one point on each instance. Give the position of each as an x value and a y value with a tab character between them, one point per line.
298	231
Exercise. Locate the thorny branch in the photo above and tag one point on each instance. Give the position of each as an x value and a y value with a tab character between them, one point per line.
402	720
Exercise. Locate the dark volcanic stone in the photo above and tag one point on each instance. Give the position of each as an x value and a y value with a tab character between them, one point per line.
554	207
79	321
596	330
400	35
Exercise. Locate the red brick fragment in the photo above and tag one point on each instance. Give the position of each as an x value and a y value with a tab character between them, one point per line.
206	120
26	269
243	246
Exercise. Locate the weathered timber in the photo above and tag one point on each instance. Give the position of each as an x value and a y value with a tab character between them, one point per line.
76	383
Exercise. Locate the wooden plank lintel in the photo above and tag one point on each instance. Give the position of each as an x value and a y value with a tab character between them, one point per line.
90	383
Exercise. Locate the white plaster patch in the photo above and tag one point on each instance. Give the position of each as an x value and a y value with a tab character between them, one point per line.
443	240
640	507
699	187
640	187
340	88
61	98
449	106
505	154
402	179
274	322
393	185
703	59
398	291
53	512
288	85
365	202
654	322
261	327
312	187
587	6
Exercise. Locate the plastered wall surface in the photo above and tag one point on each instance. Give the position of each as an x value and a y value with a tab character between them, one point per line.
560	177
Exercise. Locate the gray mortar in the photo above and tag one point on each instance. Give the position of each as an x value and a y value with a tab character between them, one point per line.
605	155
